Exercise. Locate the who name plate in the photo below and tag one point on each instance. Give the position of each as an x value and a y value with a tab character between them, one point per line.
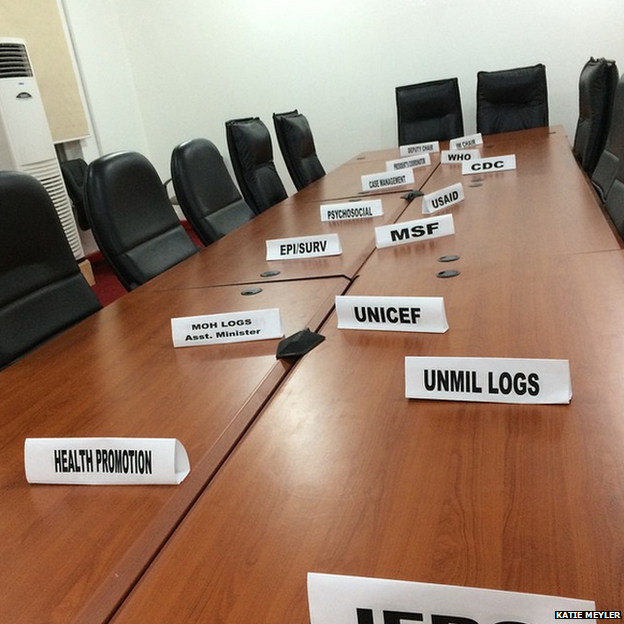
432	202
401	314
105	461
466	142
363	209
451	157
412	231
335	598
488	380
493	164
387	179
189	331
303	247
431	147
409	162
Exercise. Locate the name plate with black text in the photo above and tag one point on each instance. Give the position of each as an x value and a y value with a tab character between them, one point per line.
444	197
492	164
488	380
386	180
105	461
401	314
465	142
414	231
191	331
364	209
453	157
409	162
430	147
303	247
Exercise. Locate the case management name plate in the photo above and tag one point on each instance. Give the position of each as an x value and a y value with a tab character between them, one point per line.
402	314
387	179
105	461
488	380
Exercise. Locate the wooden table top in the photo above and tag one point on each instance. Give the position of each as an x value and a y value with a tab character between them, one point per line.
70	553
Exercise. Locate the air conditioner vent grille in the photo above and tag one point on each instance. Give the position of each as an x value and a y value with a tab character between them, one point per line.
14	61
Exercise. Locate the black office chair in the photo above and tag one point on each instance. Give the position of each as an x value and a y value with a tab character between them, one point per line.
597	83
205	191
251	152
294	137
512	99
613	153
42	291
133	221
429	111
74	173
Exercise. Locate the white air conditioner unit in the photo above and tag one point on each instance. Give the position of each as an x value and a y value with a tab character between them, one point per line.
25	139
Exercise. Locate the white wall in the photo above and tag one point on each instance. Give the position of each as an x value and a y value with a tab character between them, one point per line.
158	72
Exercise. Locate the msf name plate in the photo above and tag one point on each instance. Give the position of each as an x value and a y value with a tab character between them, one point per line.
403	314
488	380
412	231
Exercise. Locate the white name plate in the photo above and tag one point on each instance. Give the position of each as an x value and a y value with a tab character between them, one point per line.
335	598
409	162
303	247
431	147
444	197
488	380
451	157
470	140
489	165
352	210
191	331
401	314
387	179
105	461
411	231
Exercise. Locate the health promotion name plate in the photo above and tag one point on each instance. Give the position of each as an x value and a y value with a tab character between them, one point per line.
335	598
189	331
488	380
402	314
105	461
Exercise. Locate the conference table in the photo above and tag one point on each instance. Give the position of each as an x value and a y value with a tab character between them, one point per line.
323	465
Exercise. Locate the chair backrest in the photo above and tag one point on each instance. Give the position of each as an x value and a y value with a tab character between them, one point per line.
296	143
597	83
42	291
206	193
133	221
512	99
74	174
429	111
251	152
612	155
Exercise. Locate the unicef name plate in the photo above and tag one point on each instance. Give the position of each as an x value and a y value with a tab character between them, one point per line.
191	331
470	140
105	461
410	162
401	314
431	147
352	210
303	247
488	380
363	600
387	179
452	157
413	231
447	196
492	164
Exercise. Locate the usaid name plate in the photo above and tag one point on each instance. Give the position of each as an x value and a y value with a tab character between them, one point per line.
470	140
419	148
352	210
489	165
303	247
412	231
190	331
105	461
335	598
410	162
387	179
403	314
451	157
488	380
443	198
